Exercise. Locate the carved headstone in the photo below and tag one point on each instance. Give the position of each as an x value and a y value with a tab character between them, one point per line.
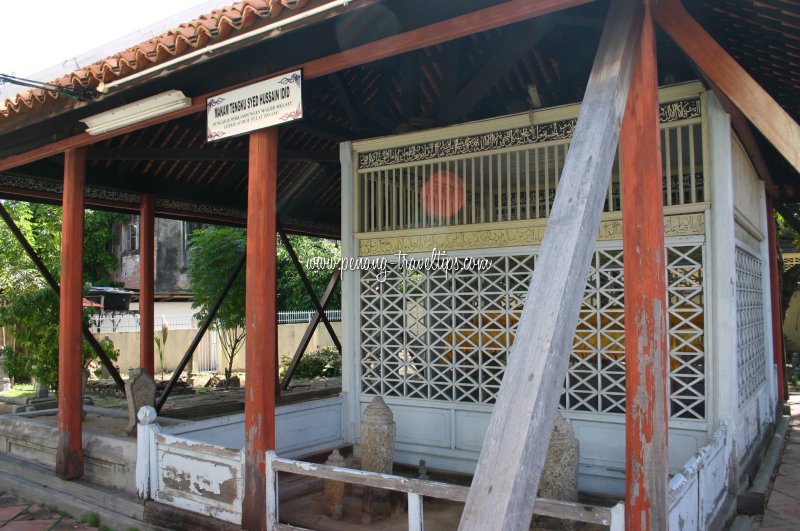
334	490
560	474
141	391
378	434
41	390
5	381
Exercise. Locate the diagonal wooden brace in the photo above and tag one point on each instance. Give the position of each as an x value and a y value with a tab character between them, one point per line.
506	480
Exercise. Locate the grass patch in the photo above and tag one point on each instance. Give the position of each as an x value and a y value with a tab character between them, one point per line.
91	519
20	391
109	402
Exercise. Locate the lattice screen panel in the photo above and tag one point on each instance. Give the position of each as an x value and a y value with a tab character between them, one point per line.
750	349
434	336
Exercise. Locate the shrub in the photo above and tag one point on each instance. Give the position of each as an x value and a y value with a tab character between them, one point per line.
16	365
325	362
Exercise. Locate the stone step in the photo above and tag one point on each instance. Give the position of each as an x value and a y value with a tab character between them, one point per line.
116	508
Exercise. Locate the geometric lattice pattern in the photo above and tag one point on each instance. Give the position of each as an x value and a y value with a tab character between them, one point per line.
437	336
750	350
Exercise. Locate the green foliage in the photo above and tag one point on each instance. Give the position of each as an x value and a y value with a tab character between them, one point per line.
214	253
161	342
16	366
325	362
292	295
41	226
91	519
32	316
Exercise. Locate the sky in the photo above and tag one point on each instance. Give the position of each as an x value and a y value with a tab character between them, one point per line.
61	30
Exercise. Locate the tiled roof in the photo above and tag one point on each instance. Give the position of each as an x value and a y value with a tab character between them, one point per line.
206	29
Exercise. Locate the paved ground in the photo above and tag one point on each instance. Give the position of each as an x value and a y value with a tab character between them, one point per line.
20	515
783	507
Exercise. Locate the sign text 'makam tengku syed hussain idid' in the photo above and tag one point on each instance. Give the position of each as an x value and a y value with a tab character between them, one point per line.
264	104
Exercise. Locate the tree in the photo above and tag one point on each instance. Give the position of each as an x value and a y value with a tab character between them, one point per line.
28	307
214	253
292	295
32	314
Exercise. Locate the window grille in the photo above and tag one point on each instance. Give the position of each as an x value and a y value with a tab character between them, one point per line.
750	347
434	336
506	175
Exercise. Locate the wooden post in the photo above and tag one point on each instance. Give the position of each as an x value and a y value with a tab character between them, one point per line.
146	280
506	481
69	456
260	307
646	368
775	294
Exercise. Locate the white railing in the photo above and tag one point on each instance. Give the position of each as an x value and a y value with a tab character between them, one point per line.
614	517
129	322
306	316
698	491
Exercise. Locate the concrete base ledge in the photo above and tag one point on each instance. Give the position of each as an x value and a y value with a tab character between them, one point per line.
110	461
117	509
753	500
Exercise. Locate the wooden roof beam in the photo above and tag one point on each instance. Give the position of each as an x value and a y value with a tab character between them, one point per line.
731	79
446	30
203	154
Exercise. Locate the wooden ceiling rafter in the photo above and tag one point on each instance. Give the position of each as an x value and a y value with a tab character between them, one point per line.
755	103
476	21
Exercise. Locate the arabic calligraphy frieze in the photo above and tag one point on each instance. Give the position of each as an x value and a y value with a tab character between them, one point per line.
675	225
519	136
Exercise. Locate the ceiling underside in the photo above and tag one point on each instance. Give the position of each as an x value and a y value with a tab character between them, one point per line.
479	76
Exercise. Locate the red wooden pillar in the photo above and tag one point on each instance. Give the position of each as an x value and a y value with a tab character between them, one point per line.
146	279
69	456
646	369
775	296
261	354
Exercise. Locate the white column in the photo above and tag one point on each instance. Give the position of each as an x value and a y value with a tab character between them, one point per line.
722	392
350	300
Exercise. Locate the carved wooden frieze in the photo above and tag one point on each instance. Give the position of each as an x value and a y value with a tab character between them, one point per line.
674	225
519	136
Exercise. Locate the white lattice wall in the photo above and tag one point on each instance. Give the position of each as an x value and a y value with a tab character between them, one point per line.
750	350
433	336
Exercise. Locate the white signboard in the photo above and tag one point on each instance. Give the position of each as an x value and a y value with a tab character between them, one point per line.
264	104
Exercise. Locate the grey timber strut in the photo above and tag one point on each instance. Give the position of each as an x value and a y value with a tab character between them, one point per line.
507	477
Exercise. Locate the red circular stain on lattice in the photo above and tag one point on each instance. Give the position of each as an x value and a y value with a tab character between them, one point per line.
443	195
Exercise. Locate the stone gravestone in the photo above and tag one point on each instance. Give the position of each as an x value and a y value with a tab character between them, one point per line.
378	434
334	490
5	381
140	390
41	390
560	474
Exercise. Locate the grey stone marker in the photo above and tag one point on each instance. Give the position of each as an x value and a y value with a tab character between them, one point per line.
140	390
560	473
5	381
378	435
41	390
334	490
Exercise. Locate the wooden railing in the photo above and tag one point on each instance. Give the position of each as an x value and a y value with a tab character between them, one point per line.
416	489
